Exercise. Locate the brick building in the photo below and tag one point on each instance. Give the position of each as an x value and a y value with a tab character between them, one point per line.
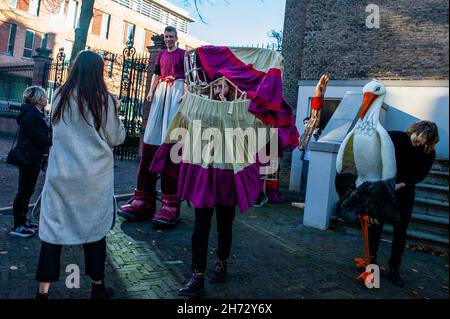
24	24
407	51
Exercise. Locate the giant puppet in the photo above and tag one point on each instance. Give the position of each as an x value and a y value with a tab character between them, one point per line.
256	75
366	168
168	87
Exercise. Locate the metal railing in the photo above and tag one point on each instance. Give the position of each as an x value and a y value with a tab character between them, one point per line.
14	79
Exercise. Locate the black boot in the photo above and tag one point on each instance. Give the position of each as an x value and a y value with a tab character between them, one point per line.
41	296
220	272
395	279
99	291
194	288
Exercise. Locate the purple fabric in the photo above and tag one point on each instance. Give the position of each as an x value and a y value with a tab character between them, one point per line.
205	187
171	63
264	90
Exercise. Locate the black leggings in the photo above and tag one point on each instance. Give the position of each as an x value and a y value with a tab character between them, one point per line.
50	261
405	198
203	216
28	177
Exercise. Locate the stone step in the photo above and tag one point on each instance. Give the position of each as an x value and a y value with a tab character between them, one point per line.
443	221
414	233
430	191
431	207
430	224
440	164
419	234
437	178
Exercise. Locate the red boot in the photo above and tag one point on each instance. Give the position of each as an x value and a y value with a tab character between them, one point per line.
140	207
169	214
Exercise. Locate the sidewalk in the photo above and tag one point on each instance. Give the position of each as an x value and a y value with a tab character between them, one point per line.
273	256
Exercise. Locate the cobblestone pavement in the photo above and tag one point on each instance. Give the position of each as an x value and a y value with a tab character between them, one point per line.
273	256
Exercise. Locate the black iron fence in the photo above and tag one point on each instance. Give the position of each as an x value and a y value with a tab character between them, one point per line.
132	96
57	72
14	79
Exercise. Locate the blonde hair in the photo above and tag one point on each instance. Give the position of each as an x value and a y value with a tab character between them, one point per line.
34	94
426	130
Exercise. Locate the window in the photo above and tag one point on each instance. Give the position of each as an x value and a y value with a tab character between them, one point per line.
29	44
30	6
7	38
72	13
104	32
128	31
68	45
100	24
148	39
62	7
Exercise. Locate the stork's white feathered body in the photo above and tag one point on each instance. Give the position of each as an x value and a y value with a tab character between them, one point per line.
367	151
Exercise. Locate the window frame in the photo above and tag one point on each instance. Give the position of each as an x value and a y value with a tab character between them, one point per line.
25	41
9	49
145	36
13	3
73	24
125	36
107	26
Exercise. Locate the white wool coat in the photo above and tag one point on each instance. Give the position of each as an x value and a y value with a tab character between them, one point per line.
77	204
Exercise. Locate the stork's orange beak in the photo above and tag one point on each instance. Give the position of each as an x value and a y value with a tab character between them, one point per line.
369	97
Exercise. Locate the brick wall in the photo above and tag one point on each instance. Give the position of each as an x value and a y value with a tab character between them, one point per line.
411	43
294	26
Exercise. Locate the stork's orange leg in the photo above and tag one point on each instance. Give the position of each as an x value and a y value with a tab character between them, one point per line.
365	261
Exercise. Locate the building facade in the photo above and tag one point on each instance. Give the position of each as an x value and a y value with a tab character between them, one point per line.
28	24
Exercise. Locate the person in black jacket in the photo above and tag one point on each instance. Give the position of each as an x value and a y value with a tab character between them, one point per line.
34	140
414	154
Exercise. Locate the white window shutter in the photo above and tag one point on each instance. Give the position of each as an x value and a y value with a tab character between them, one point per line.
105	25
34	7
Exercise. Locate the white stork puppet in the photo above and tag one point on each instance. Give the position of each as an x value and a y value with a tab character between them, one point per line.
366	166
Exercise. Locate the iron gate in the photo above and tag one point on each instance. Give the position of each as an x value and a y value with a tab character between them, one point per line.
132	98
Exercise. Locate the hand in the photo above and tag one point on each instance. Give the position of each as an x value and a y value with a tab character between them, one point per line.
374	221
321	86
150	97
399	186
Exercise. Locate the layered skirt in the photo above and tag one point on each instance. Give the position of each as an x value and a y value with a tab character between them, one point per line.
217	149
164	107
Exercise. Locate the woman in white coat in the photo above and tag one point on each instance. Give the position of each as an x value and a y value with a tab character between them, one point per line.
78	205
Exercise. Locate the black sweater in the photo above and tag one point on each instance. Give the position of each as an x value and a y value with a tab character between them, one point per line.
34	134
413	164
